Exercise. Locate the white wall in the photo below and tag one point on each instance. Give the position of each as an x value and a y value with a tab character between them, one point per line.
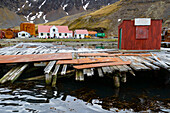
23	35
54	32
68	35
44	35
80	35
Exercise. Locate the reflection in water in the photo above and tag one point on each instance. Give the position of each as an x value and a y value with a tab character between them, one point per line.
88	96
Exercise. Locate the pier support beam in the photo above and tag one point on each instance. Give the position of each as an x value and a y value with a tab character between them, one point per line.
79	75
116	80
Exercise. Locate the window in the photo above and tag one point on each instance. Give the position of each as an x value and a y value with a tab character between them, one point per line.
79	35
85	35
75	35
41	34
48	34
65	34
59	34
53	30
142	32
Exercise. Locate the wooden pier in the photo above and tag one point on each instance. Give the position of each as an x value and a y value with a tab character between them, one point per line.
115	64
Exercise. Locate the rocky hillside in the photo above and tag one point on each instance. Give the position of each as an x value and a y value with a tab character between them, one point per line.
43	11
108	18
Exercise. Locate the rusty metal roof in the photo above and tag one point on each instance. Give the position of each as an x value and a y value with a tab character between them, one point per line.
102	64
89	60
34	57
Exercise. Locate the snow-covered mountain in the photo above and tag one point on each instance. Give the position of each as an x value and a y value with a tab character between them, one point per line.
43	11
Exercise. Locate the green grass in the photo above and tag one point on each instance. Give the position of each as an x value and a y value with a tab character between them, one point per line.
72	40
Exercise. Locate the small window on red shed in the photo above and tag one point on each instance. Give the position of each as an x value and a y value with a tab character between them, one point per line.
142	32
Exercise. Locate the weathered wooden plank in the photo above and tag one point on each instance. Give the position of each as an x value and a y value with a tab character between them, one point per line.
106	54
34	57
115	68
56	70
147	63
89	60
48	78
6	76
79	75
161	62
100	72
116	80
54	74
101	65
49	66
84	71
123	78
63	72
18	73
122	69
108	69
104	70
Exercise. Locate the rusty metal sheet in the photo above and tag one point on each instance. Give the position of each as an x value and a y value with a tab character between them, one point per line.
34	57
109	55
89	60
86	66
92	54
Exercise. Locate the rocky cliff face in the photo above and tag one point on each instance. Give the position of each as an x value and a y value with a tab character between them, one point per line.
108	18
43	11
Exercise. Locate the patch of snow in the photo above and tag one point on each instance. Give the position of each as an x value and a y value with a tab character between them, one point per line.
67	13
42	4
30	5
31	21
119	20
64	7
85	6
39	14
44	17
19	9
33	17
25	3
27	17
108	4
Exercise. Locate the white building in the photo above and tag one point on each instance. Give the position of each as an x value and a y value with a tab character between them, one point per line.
54	32
23	34
80	33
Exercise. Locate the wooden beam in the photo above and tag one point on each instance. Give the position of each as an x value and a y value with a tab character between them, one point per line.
101	65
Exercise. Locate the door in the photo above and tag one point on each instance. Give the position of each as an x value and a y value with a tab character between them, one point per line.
120	38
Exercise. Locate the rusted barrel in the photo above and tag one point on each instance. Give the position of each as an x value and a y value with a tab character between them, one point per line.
9	34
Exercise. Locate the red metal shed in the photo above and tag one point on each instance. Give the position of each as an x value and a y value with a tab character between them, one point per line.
1	34
140	34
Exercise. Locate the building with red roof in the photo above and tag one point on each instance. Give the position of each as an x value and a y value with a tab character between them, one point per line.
54	32
81	33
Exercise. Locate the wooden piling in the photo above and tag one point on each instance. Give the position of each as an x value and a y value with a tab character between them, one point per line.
54	75
48	73
100	72
116	80
123	78
79	75
63	72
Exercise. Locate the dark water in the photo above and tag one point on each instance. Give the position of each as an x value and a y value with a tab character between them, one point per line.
91	96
